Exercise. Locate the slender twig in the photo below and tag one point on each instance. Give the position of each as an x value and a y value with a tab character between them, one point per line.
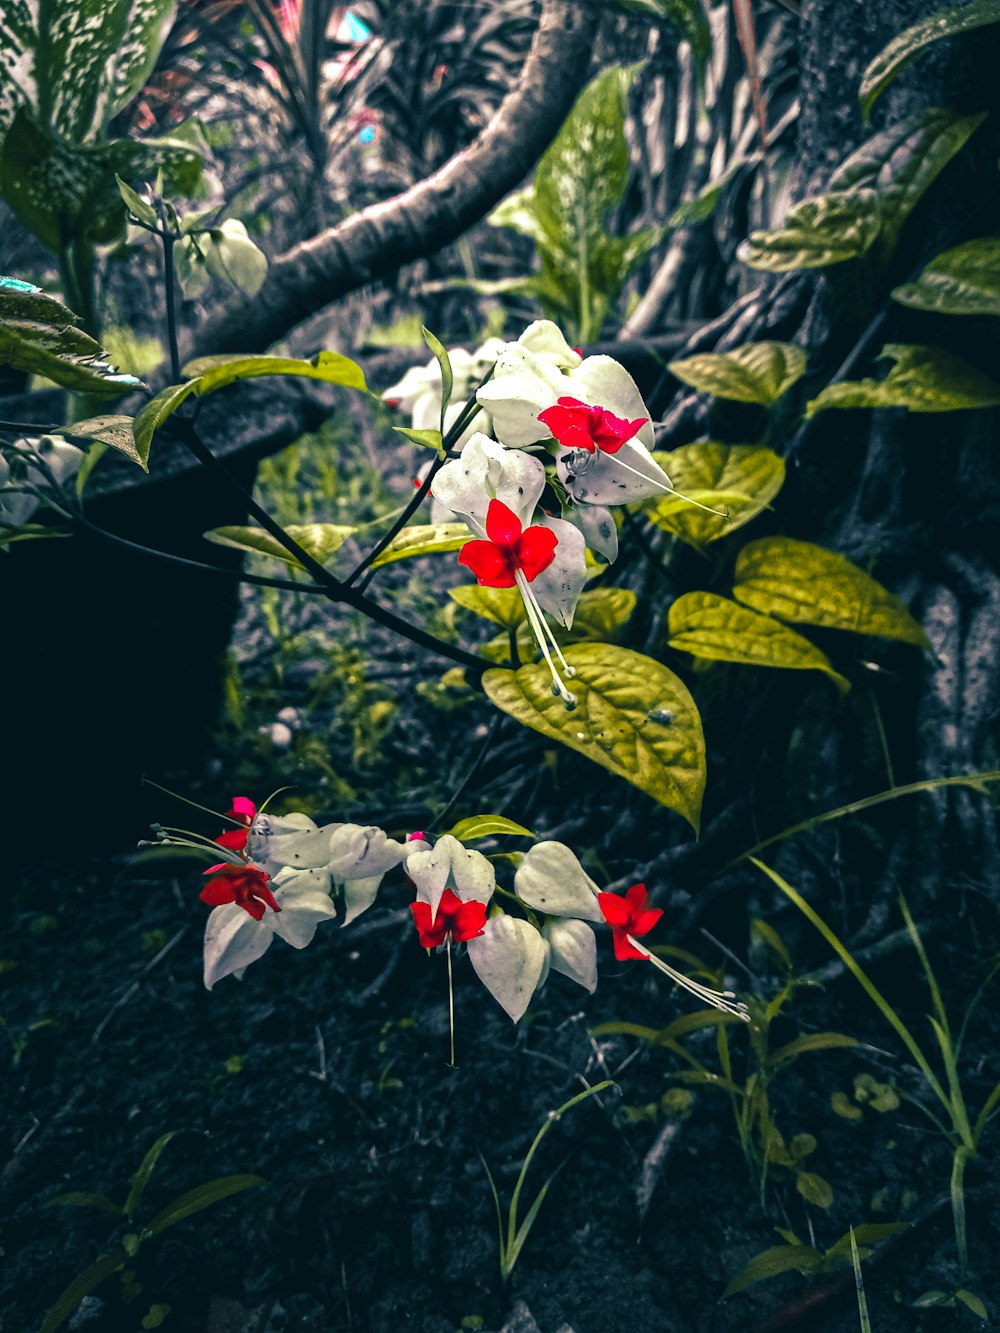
477	764
335	589
169	283
29	428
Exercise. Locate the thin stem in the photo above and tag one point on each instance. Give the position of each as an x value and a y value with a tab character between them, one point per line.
169	283
476	765
30	428
335	589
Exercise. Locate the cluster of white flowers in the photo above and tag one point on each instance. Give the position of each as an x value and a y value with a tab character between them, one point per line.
29	469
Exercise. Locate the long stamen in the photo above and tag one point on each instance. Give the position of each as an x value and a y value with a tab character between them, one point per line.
724	1000
536	620
670	490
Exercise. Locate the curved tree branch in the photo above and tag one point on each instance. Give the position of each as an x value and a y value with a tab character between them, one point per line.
431	214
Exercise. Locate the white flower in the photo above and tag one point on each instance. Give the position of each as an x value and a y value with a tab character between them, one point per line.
37	466
234	940
450	865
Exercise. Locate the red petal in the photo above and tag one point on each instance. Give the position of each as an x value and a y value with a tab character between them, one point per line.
234	839
254	908
615	909
429	937
502	525
263	892
218	891
636	897
625	950
469	921
492	565
645	921
243	808
535	551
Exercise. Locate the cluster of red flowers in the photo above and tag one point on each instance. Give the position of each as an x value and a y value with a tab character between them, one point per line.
576	425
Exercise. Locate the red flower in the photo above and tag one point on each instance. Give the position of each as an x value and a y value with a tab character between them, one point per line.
628	916
243	809
245	885
511	548
455	921
577	426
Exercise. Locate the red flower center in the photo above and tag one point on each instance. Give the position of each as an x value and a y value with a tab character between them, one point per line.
245	885
454	921
628	916
243	810
510	549
576	425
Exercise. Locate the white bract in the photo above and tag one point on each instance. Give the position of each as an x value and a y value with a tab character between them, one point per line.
37	466
552	880
572	951
418	393
234	940
449	865
359	856
511	960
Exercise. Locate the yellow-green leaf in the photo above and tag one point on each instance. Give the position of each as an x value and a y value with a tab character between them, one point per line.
807	584
740	479
961	281
487	826
634	717
923	379
780	1259
719	630
599	616
755	373
501	605
320	540
828	229
909	43
154	414
116	431
842	1104
427	439
215	372
424	539
814	1189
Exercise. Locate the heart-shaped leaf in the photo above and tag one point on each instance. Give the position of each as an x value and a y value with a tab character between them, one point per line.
599	615
634	717
739	479
719	630
923	379
807	584
754	373
503	606
828	229
962	281
321	540
904	48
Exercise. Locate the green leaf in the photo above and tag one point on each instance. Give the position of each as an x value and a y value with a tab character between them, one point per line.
39	334
214	372
870	1233
807	584
231	255
827	229
972	1302
428	439
901	162
814	1189
487	826
82	1285
686	16
444	361
780	1259
321	540
634	717
923	379
713	628
423	539
202	1196
904	48
154	414
81	1199
600	614
739	479
501	605
842	1104
766	934
144	1171
962	281
115	431
813	1041
135	204
753	373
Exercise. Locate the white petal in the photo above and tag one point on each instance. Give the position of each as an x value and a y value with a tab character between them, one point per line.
233	940
573	951
314	881
417	381
552	879
548	342
426	411
602	382
288	840
359	894
558	587
301	912
358	851
510	958
602	479
522	386
598	526
451	866
486	471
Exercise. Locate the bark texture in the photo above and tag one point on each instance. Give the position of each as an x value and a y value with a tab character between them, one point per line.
378	240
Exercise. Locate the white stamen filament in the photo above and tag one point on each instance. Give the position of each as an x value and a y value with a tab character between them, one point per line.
669	490
724	1000
543	637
